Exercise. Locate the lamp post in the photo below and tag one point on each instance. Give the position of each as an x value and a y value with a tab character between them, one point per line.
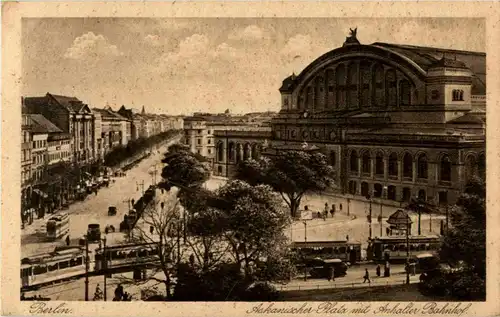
381	213
369	216
305	241
87	263
417	205
408	248
105	265
141	185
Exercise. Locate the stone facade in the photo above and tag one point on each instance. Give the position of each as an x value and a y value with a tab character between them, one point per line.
395	121
237	144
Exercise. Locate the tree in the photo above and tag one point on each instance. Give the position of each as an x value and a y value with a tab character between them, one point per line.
159	231
253	220
292	174
183	169
465	241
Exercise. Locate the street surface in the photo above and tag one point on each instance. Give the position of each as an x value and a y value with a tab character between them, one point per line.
353	279
94	209
354	225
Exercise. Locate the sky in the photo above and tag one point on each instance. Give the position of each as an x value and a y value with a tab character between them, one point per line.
180	65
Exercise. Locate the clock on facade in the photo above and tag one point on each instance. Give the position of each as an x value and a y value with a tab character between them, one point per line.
305	114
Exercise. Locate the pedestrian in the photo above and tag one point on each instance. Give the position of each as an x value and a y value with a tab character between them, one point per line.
340	207
378	270
332	210
119	292
366	277
67	240
326	210
347	237
332	272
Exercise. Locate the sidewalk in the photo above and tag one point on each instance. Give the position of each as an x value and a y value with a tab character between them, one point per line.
344	282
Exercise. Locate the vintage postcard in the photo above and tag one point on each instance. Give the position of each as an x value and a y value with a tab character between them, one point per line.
233	159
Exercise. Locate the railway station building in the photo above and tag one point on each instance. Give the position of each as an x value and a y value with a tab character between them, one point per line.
396	121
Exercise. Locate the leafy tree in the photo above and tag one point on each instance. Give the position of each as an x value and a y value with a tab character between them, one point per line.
183	169
292	174
465	241
157	231
253	220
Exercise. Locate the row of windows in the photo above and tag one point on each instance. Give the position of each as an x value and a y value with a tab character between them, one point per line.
59	155
422	166
58	142
39	159
356	85
391	192
238	152
25	155
39	144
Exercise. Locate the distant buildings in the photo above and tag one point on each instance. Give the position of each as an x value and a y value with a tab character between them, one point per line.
221	137
64	142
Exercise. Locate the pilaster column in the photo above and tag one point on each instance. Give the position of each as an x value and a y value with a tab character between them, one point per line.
386	168
372	167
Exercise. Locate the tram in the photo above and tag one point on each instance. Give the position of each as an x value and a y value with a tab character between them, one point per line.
346	251
63	263
125	255
58	226
394	248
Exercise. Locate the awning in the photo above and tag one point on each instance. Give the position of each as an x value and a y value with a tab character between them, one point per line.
40	193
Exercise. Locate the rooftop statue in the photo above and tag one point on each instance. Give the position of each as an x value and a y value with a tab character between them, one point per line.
352	39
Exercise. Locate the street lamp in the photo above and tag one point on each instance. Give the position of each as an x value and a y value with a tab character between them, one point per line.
105	265
305	241
408	248
87	263
381	214
369	216
141	185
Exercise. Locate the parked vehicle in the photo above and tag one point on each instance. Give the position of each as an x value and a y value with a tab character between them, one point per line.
94	232
319	268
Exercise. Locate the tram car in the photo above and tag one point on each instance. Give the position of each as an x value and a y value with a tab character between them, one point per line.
116	256
58	226
346	251
63	263
394	248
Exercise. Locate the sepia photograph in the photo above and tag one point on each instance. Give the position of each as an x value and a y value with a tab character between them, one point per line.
265	159
248	162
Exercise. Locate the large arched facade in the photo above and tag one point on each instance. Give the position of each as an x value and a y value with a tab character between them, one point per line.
389	114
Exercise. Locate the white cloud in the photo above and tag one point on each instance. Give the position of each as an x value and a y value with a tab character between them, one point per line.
195	55
299	51
93	46
297	46
154	40
226	51
251	32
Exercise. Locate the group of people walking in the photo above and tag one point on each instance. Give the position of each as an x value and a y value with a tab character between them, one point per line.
378	272
120	294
